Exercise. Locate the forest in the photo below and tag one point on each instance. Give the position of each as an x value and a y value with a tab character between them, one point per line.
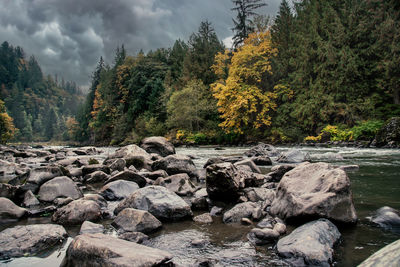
317	66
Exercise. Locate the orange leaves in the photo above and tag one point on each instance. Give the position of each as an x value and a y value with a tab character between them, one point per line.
97	103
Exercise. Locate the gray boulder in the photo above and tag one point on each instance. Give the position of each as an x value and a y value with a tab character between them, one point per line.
388	256
96	198
94	168
96	177
118	190
159	201
239	211
77	212
30	200
310	244
128	175
107	251
203	218
133	155
389	134
262	150
24	240
91	228
248	162
223	182
59	187
159	145
180	184
40	175
199	201
175	164
313	190
133	220
8	210
387	218
256	194
154	175
278	171
294	156
263	236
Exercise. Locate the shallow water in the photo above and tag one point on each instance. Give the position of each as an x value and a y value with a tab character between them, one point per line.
376	184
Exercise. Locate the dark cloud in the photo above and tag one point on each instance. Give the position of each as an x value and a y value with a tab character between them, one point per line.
69	36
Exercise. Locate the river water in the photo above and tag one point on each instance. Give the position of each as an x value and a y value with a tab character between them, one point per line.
375	184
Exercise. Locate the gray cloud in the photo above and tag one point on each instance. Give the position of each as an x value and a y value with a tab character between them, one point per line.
69	36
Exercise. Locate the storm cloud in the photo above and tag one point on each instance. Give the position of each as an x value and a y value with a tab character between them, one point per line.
69	36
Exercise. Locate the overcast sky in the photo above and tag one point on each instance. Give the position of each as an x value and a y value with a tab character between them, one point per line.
69	36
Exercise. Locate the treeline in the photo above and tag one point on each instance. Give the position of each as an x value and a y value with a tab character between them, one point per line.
319	63
39	105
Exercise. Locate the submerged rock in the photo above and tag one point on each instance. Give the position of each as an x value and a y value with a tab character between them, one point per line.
133	220
159	145
313	190
28	240
387	218
387	256
310	244
105	250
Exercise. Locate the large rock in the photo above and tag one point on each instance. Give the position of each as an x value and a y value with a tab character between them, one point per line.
223	182
199	201
239	211
133	220
388	256
256	194
158	145
174	164
91	228
278	171
59	187
28	240
133	155
96	177
118	190
310	244
128	175
389	134
40	175
294	156
249	163
107	251
77	212
30	200
159	201
313	190
8	210
262	150
180	184
264	236
94	168
387	218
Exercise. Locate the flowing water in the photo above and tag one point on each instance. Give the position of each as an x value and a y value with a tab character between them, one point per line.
376	184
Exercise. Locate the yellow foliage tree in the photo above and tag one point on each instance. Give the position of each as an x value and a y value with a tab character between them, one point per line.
244	99
7	129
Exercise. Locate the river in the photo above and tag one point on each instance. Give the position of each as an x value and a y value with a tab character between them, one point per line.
375	184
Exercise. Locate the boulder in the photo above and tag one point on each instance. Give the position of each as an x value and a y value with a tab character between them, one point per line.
175	164
264	236
117	164
133	220
387	218
216	211
96	177
388	256
40	175
30	200
256	194
107	251
77	212
389	134
8	210
94	168
310	244
294	156
239	211
250	164
59	187
223	182
278	171
203	218
118	190
91	228
159	201
231	159
159	145
262	150
128	175
61	201
180	184
133	155
199	201
154	175
28	240
136	237
314	190
96	198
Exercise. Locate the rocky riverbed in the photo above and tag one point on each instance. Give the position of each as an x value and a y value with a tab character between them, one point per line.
154	204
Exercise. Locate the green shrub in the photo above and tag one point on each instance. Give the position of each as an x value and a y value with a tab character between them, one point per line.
198	138
366	130
93	161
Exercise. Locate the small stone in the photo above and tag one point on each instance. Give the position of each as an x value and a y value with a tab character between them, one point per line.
203	218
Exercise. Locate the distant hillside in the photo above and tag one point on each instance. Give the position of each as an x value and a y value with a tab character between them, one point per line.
39	105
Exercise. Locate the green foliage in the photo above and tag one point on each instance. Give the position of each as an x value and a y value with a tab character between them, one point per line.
367	130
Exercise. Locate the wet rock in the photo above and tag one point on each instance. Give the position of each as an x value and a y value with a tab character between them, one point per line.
389	134
24	240
223	182
105	250
136	237
61	201
256	194
175	164
386	256
248	162
96	177
267	222
91	228
30	200
159	145
310	244
387	218
262	150
133	155
263	236
313	190
278	171
118	190
96	198
203	218
280	228
59	187
262	160
117	165
133	220
8	210
128	175
239	211
199	201
180	184
216	211
94	168
77	212
294	156
40	175
155	174
159	201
